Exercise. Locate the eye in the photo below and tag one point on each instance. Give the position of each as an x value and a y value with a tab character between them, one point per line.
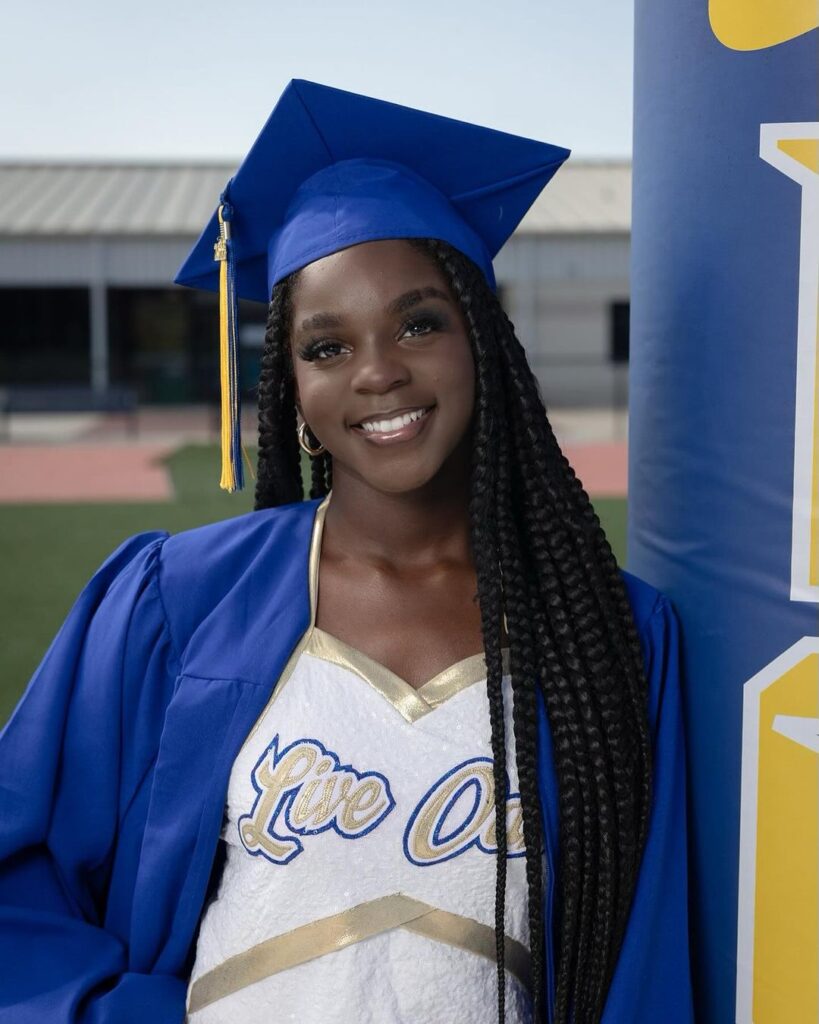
425	323
319	350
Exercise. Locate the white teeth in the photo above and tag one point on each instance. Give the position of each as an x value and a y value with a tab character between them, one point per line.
385	426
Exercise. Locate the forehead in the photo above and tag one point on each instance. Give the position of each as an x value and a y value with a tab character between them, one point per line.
371	273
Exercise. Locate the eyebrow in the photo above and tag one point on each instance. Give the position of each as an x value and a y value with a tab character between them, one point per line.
322	321
410	299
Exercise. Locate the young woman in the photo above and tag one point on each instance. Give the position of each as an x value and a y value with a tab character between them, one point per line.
353	690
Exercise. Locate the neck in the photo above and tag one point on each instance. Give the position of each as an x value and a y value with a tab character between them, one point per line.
411	528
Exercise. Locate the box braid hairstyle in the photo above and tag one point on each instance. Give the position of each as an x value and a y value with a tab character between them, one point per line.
541	559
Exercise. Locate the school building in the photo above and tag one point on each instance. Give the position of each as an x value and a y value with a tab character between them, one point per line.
88	252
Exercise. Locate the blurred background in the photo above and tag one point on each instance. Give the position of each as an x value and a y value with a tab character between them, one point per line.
120	128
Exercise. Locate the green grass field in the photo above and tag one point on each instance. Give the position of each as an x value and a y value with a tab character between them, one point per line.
52	550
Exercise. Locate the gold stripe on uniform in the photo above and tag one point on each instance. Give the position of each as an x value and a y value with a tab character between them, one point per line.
474	937
331	934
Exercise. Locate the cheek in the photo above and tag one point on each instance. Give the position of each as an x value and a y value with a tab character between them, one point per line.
458	381
316	396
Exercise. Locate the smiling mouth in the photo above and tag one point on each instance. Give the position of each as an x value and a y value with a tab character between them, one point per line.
398	428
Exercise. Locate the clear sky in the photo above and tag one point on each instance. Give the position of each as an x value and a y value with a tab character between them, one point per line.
196	80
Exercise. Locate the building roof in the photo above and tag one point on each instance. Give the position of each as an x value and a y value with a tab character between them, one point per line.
585	196
82	199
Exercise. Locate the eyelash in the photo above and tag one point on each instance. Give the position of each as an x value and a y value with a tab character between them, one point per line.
314	349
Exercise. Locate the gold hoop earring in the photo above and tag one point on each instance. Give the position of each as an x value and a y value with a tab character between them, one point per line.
312	452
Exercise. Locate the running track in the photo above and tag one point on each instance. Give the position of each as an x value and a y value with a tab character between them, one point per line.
41	474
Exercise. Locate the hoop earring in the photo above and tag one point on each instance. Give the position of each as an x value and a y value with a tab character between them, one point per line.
312	452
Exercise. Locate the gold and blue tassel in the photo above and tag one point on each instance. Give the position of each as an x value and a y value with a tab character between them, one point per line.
223	252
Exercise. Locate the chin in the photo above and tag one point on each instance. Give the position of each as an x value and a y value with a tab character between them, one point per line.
396	479
399	483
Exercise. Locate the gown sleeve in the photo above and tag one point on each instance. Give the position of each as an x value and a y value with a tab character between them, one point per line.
652	978
73	757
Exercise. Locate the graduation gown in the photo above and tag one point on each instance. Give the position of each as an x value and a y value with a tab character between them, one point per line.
115	765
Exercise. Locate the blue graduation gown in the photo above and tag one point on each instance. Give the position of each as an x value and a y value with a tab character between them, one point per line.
114	771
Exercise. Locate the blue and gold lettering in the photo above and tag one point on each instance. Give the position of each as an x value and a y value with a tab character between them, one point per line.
303	790
457	813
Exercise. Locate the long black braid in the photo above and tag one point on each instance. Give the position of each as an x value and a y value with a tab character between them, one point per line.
542	559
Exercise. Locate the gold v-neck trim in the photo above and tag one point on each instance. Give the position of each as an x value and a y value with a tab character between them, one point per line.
411	703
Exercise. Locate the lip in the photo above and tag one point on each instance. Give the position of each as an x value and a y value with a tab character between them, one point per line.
405	433
391	414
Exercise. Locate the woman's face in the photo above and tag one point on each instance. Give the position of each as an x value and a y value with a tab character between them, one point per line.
377	338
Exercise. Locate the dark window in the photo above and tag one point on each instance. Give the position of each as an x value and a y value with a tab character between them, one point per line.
165	343
147	342
204	345
45	336
619	320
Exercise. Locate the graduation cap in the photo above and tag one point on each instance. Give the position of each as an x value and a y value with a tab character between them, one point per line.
331	169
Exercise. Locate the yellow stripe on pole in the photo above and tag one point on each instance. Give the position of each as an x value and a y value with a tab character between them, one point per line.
786	932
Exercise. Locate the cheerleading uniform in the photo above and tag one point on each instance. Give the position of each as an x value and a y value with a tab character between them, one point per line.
362	810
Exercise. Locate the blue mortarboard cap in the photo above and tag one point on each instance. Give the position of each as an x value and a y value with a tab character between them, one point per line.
331	169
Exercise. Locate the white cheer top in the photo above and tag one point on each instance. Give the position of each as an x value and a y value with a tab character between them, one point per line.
359	879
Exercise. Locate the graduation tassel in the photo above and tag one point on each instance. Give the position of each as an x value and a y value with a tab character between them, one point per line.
232	470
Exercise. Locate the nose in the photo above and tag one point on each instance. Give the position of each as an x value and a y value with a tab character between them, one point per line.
379	368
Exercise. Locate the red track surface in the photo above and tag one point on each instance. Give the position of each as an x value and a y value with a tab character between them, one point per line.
602	467
133	472
84	473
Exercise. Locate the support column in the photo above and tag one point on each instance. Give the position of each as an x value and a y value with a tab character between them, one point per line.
100	376
724	468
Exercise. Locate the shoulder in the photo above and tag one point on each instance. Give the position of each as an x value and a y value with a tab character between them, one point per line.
647	602
660	640
216	546
232	569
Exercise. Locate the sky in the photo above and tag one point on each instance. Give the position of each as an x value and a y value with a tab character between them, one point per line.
101	79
